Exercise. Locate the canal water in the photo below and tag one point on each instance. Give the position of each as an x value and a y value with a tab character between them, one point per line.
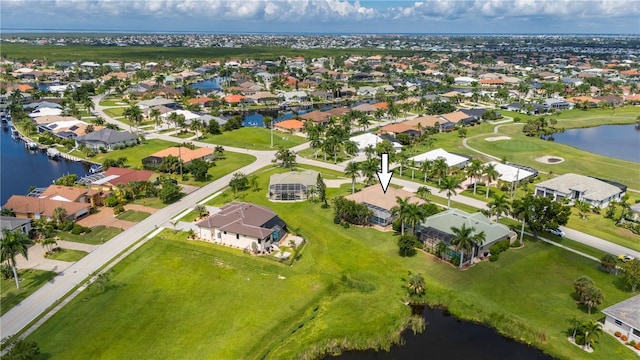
21	168
446	337
617	141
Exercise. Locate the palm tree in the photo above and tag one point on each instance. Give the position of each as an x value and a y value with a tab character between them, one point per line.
368	170
463	239
201	210
416	285
440	168
519	209
474	171
48	243
351	148
450	184
415	214
155	115
353	170
492	175
59	215
369	151
592	331
160	78
403	160
426	168
401	211
422	192
575	325
11	244
499	206
197	127
134	115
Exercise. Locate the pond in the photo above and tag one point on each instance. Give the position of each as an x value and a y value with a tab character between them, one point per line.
617	141
207	86
446	337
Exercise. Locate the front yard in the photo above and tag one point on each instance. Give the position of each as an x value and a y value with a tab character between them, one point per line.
30	281
97	236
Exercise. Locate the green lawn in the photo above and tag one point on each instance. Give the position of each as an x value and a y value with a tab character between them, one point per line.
598	225
30	281
133	154
97	236
132	215
231	162
67	255
255	139
113	103
311	307
114	112
155	202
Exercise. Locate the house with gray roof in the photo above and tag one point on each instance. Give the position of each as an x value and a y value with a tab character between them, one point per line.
106	138
156	101
292	185
625	318
381	203
574	187
437	228
15	224
240	224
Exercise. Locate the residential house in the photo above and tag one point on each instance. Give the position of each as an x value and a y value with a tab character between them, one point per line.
624	317
157	101
241	224
30	207
263	98
320	117
368	139
106	138
292	185
183	153
381	203
574	187
452	160
15	224
72	194
292	125
437	228
294	96
512	172
430	121
114	176
459	117
399	128
201	101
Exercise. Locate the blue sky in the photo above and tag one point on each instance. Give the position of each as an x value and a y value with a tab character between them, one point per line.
326	16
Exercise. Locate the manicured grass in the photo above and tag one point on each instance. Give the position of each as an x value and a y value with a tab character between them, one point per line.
231	162
133	154
132	215
113	103
114	112
185	134
531	287
191	216
255	139
67	255
598	225
97	236
30	281
155	202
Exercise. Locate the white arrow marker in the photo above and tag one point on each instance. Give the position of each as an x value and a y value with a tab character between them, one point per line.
384	175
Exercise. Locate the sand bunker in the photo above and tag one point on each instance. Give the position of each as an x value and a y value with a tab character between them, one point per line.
497	138
548	159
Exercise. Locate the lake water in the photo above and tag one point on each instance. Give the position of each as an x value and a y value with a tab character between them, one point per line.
617	141
207	86
21	168
446	337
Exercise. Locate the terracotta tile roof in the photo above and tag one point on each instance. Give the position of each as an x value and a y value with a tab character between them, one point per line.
71	193
292	124
396	128
381	105
200	100
316	116
455	116
124	176
375	196
234	98
184	153
424	121
339	111
32	205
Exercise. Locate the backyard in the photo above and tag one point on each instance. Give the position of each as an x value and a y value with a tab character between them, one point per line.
310	305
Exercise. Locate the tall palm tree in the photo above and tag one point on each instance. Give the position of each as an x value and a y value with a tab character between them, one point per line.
426	167
369	151
491	174
59	215
134	115
422	192
499	206
13	243
440	168
197	127
401	211
519	209
474	171
369	169
351	148
592	331
415	214
353	170
463	239
450	184
416	285
403	160
155	115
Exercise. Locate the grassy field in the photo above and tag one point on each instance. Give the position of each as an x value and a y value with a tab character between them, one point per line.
232	161
28	52
529	290
114	112
30	281
67	255
113	102
97	236
255	139
133	154
132	215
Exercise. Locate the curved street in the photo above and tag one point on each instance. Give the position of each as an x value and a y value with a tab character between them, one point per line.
32	307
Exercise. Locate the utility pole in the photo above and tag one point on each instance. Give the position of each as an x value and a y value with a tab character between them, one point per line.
272	133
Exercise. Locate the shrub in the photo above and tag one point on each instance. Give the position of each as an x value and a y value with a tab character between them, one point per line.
66	225
118	209
455	261
77	229
110	201
494	257
632	343
499	247
337	220
623	337
617	334
345	225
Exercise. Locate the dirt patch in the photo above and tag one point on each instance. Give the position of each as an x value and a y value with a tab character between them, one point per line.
497	138
548	159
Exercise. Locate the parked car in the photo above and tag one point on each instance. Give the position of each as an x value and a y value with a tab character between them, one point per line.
556	232
625	257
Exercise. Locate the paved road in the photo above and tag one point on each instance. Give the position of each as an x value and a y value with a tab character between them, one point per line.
29	309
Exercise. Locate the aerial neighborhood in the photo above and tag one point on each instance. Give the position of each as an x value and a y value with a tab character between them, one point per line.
255	184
